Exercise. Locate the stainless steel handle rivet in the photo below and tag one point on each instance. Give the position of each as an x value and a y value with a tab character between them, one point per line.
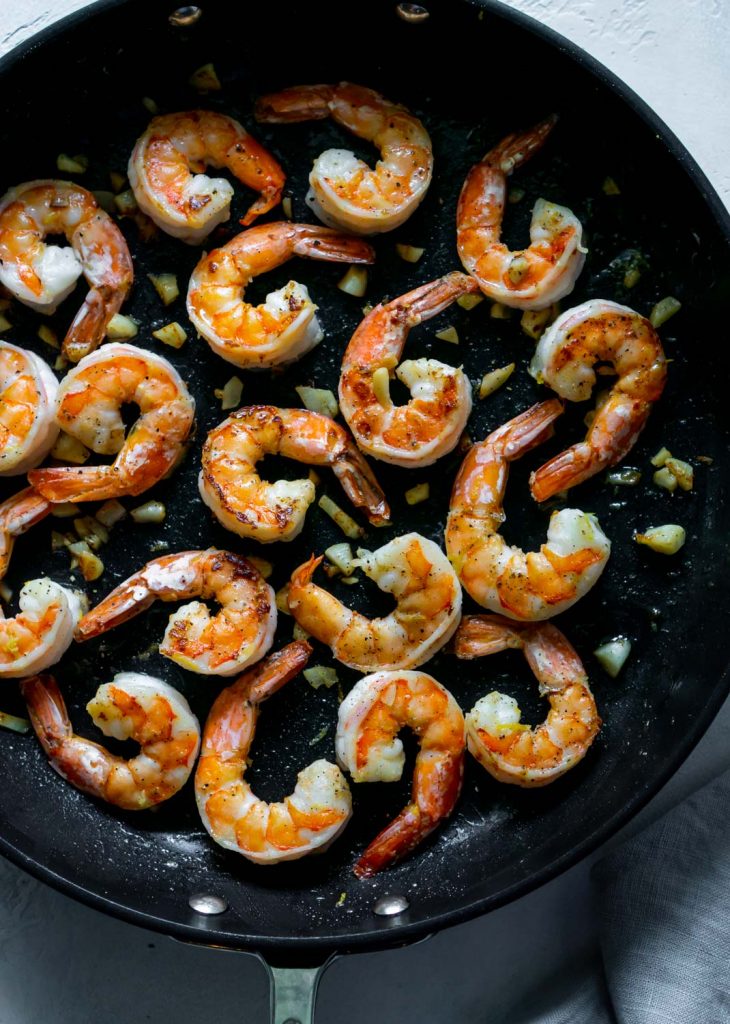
206	903
182	17
412	13
389	906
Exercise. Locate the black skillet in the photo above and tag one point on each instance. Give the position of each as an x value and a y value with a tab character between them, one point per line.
473	72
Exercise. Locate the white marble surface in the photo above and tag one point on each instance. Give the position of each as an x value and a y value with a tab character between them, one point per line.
64	963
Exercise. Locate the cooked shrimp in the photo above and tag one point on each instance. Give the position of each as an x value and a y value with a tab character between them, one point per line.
42	631
307	820
508	749
418	575
283	327
344	191
90	401
215	645
266	512
41	275
598	331
18	514
431	423
529	586
28	428
132	707
166	172
367	744
534	277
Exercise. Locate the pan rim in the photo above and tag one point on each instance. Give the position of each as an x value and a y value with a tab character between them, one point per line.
313	948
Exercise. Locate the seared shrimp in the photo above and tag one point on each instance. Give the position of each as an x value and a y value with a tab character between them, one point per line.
367	744
132	707
266	512
215	645
431	423
90	401
41	275
418	575
307	820
28	428
283	327
42	631
529	586
598	331
534	277
344	191
18	514
508	749
166	172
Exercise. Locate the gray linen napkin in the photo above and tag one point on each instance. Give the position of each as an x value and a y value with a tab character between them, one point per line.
663	905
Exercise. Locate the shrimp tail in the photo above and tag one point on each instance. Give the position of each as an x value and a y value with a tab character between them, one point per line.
88	329
78	483
516	149
299	103
528	430
18	514
303	575
332	246
431	299
129	599
271	674
47	710
479	635
361	487
436	787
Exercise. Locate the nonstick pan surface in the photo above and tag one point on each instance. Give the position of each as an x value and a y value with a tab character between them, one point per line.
473	73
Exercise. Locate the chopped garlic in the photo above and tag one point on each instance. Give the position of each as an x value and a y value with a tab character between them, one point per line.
417	494
346	523
610	188
172	334
282	600
381	386
340	555
205	79
64	510
498	311
320	675
663	310
91	565
491	382
612	655
230	394
534	321
264	567
299	632
5	324
121	328
666	479
166	287
667	540
661	457
287	207
354	282
448	334
111	512
72	164
150	105
319	400
68	449
48	336
125	203
682	471
470	300
12	722
409	253
150	512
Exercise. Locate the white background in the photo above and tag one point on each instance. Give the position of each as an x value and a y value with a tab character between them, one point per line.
63	963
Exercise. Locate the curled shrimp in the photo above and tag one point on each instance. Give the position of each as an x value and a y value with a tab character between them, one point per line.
307	820
285	326
217	645
89	407
504	579
42	631
18	514
508	749
534	277
597	331
266	512
367	744
132	707
344	191
28	428
418	575
166	172
431	423
41	275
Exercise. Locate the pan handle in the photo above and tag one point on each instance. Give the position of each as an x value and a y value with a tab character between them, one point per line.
293	991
